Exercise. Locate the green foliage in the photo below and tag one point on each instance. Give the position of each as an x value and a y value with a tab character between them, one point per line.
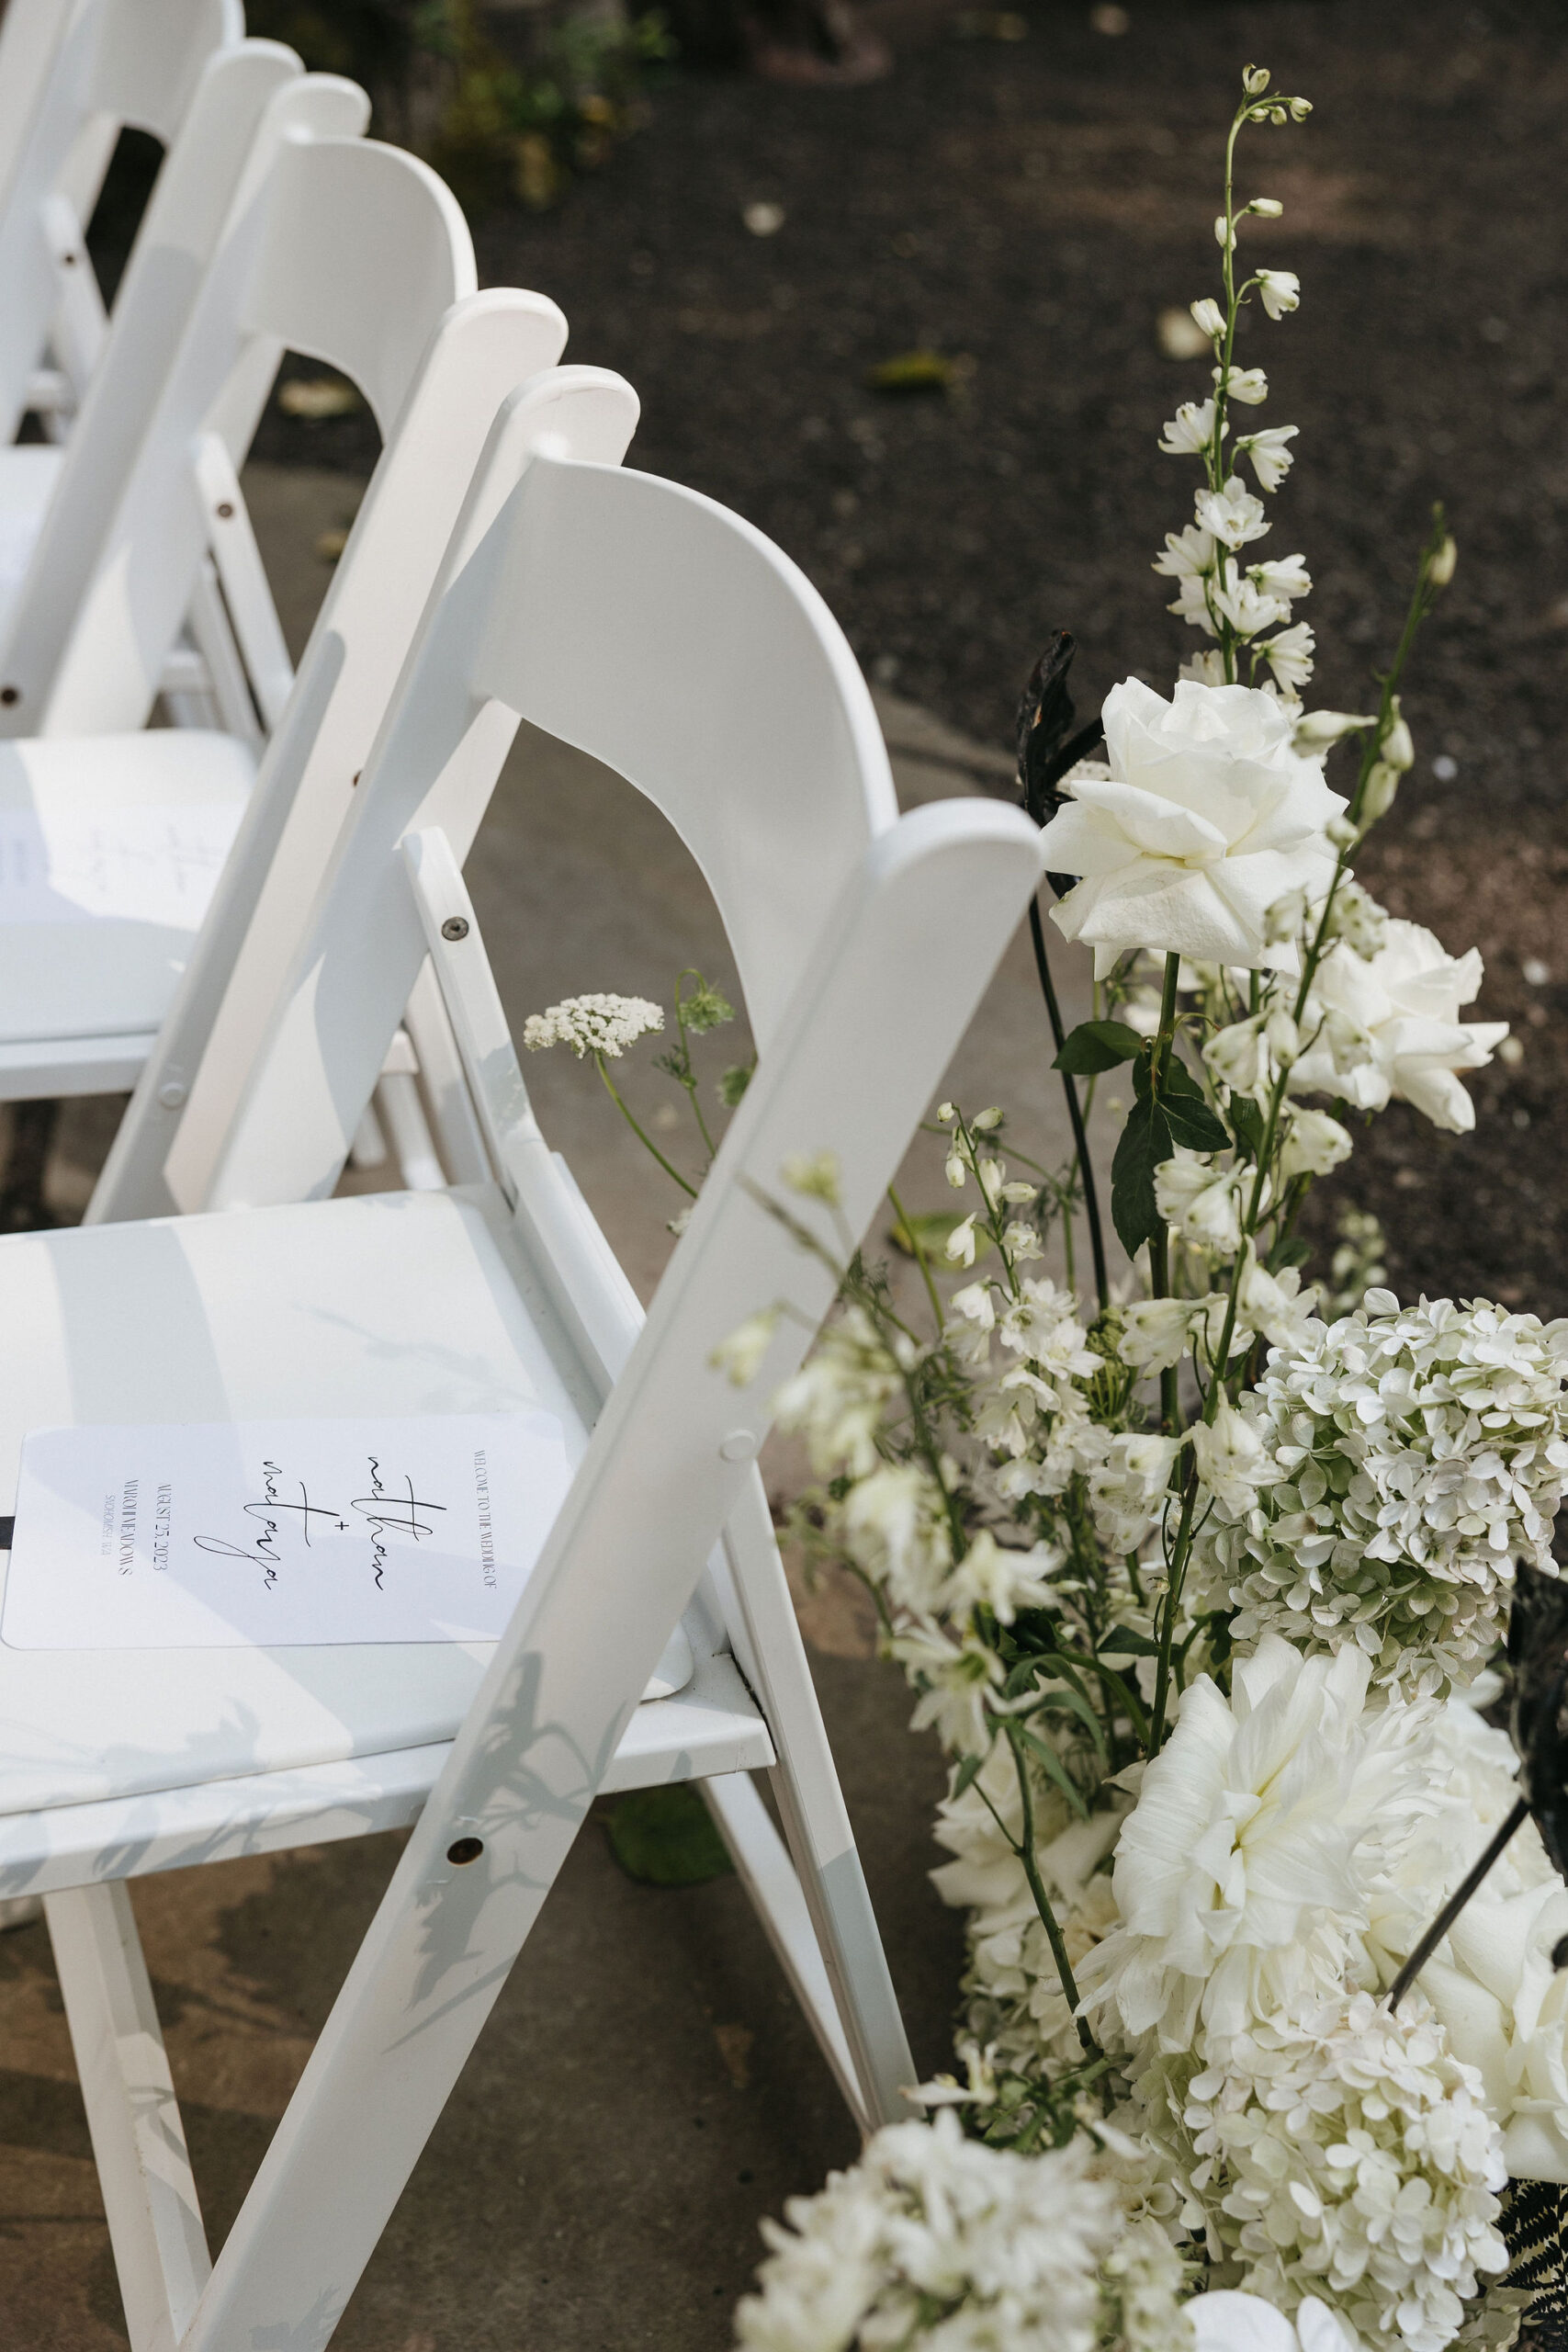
1095	1045
732	1085
666	1838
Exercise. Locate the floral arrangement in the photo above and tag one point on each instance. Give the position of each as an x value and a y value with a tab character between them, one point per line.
1202	1581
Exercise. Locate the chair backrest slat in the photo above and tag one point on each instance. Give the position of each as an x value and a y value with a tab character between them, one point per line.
71	78
93	665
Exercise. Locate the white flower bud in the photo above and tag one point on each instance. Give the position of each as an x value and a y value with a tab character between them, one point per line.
1235	1057
960	1250
1314	1144
1255	80
1285	918
1224	235
1266	208
1211	318
985	1121
945	1114
1201	1201
1300	108
954	1170
1397	747
1440	571
1284	1038
1315	730
1383	783
1341	833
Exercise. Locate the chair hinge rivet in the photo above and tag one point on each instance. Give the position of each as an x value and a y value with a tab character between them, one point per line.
172	1095
455	927
464	1849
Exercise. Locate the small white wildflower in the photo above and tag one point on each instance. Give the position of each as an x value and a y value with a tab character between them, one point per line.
1156	1332
1314	1144
1316	729
592	1025
1229	1457
1232	515
1200	1201
815	1175
1266	207
959	1248
1287	577
1189	554
1248	385
1289	656
740	1355
1208	315
1127	1491
1402	1003
1271	458
1190	430
1280	290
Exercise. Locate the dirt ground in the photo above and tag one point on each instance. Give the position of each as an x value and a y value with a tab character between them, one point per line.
1027	207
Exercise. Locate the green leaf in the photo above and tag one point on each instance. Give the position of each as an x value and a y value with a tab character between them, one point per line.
1095	1045
666	1838
1054	1768
1126	1641
1193	1124
1292	1251
1069	1702
1248	1120
968	1771
1144	1142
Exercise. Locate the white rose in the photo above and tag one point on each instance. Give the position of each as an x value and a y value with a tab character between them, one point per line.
1208	816
1405	1000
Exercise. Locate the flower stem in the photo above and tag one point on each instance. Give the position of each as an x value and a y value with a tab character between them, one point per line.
690	1190
1159	1241
1176	1576
918	1248
1074	1111
1024	1849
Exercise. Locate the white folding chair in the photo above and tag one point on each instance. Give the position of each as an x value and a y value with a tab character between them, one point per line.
74	74
356	253
666	636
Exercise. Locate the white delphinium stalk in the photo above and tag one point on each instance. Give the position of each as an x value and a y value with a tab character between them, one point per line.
1344	2153
933	2238
1385	1026
1242	1875
592	1025
1411	1456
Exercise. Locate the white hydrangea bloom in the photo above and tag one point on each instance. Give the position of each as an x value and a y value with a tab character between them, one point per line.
592	1025
1242	1875
1207	817
1405	1000
936	2238
1343	2153
1413	1455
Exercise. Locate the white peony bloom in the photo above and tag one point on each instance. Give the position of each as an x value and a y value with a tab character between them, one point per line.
1227	2321
1201	1201
1233	514
1246	1864
1405	1000
1208	816
1271	459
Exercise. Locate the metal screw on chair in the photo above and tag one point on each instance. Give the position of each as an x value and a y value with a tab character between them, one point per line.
455	927
225	511
9	695
464	1849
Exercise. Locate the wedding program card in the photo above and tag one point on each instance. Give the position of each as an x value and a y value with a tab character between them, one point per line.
274	1534
139	864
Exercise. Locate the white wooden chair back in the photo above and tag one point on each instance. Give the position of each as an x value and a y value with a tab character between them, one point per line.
860	997
624	614
348	252
73	76
486	347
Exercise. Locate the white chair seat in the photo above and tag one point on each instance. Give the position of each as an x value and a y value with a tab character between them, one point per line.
396	1302
28	472
110	847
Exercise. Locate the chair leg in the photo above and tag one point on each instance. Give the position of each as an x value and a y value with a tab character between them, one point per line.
815	1822
763	1866
160	2247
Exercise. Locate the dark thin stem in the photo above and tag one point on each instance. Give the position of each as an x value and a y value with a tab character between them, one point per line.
902	1214
1159	1241
1025	1852
1455	1904
1074	1109
1176	1576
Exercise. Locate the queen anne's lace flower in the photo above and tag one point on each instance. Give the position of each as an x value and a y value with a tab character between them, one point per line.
1243	1873
1207	817
1413	1455
1344	2153
972	2249
592	1025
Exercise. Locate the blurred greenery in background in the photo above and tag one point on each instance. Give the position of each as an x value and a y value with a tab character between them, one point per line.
501	119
